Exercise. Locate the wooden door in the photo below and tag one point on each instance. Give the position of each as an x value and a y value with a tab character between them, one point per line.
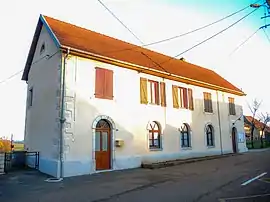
103	148
234	140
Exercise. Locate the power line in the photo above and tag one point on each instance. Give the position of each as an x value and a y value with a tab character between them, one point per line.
240	45
268	38
210	37
10	77
119	20
17	73
184	34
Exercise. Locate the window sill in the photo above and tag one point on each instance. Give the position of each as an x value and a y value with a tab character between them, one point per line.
186	148
208	113
210	147
155	149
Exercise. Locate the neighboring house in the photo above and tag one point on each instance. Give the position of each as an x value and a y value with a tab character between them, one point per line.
257	130
97	103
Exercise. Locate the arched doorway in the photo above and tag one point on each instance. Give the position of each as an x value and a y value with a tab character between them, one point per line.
234	147
103	139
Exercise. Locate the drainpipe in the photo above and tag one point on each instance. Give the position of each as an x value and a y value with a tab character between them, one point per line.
62	111
220	135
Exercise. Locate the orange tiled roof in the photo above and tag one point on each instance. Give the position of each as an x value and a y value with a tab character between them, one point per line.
258	124
92	42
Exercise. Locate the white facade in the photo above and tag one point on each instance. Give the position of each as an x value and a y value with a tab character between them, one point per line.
128	118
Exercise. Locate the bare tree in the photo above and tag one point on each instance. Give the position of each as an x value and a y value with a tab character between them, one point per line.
264	118
254	107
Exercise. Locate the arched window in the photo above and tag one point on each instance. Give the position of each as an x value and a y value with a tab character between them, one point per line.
103	124
209	135
154	135
185	136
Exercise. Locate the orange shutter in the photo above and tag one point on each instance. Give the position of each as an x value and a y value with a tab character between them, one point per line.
108	94
157	92
185	98
175	96
163	94
190	99
143	91
99	83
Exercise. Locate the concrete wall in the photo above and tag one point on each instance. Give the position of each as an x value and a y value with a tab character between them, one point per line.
130	119
42	123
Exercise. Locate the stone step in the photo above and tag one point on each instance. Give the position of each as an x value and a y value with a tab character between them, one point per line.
182	161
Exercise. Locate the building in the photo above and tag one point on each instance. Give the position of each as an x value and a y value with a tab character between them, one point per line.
258	129
97	103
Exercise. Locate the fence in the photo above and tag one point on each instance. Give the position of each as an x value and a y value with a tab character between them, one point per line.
2	163
17	160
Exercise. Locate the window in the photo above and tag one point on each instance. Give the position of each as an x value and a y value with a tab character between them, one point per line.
207	102
154	135
182	97
152	92
104	84
209	135
185	136
231	106
42	49
30	97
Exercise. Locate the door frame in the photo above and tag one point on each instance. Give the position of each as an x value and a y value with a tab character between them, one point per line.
234	139
112	134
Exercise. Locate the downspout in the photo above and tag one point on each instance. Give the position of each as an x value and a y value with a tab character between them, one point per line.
220	136
62	114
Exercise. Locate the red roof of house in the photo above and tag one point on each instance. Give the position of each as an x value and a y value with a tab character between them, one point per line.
258	124
89	41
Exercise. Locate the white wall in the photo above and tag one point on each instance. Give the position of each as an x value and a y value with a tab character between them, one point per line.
42	124
131	119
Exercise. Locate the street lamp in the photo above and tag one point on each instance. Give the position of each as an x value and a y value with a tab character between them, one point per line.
262	5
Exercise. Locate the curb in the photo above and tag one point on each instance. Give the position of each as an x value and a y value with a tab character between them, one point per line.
183	161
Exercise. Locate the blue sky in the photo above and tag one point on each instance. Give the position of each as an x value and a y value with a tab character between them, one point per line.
151	20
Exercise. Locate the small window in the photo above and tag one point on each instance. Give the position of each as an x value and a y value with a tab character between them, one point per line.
182	97
152	92
231	106
42	49
209	135
154	135
104	84
30	97
185	136
208	107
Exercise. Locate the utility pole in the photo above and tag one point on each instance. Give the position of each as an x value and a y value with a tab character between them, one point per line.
263	5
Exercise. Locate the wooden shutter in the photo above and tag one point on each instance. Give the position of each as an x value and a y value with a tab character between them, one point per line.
143	90
210	103
99	83
108	90
163	94
190	99
156	84
185	98
175	96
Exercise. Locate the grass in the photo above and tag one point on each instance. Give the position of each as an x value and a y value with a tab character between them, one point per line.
18	146
257	144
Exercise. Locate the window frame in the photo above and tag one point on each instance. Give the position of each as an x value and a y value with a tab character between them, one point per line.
185	133
154	92
209	130
30	97
151	130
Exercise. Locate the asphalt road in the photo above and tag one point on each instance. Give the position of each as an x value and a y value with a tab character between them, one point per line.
222	180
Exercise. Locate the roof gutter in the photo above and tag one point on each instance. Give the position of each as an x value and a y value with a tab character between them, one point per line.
149	70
